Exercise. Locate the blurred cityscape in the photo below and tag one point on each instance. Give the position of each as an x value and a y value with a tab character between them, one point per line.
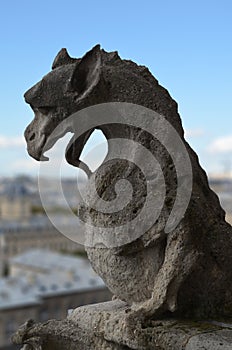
44	274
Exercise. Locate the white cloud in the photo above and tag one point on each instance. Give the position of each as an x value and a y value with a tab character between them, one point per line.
191	133
24	165
11	141
221	145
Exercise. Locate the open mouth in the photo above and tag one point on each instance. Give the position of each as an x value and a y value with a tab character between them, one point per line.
42	134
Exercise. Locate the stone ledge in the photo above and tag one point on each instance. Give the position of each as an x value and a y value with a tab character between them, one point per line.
105	326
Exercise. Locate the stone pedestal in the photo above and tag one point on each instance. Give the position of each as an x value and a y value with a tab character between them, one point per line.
106	326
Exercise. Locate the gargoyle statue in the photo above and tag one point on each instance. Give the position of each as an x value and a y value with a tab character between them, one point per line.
186	271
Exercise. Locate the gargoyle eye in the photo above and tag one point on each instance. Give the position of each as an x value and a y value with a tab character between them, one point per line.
44	110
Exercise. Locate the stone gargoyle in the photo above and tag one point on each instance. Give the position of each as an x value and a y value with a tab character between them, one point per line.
185	272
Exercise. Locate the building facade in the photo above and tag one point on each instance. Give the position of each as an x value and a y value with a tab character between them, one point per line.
43	285
17	237
20	230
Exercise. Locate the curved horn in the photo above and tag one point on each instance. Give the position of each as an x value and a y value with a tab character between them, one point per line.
62	58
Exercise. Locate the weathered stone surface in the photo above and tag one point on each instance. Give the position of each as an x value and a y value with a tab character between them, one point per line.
187	271
218	340
59	335
104	327
109	320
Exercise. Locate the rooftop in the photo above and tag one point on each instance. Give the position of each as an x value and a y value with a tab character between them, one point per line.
15	292
52	261
59	274
39	222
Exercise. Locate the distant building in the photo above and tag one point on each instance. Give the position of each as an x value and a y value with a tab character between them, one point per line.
20	230
15	202
17	237
229	218
222	185
44	285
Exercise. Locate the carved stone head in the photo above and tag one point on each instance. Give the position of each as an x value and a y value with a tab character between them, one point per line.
70	86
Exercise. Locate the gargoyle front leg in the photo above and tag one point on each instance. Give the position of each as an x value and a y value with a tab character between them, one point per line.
180	259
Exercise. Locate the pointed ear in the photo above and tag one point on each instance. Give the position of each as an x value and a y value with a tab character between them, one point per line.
87	72
62	58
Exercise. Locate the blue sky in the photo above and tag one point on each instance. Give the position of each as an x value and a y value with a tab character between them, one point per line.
186	45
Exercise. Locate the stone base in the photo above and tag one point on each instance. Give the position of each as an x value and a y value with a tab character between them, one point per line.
106	326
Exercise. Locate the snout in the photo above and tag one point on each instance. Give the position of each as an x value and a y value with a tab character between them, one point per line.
35	143
33	95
